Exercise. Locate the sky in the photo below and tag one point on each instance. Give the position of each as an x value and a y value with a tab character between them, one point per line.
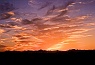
47	25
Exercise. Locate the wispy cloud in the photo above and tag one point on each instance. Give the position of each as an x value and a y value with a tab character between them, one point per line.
1	31
6	9
45	5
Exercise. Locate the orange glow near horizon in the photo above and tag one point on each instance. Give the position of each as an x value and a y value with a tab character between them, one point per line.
58	42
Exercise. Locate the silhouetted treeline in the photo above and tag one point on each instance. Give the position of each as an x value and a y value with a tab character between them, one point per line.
43	57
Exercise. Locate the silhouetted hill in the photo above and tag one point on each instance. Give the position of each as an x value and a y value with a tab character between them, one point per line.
48	57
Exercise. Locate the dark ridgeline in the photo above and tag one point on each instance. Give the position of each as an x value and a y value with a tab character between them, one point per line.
48	57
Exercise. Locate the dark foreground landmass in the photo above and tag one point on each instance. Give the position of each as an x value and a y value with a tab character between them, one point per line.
42	57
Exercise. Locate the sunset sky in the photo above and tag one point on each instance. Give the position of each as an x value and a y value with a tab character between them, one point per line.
47	24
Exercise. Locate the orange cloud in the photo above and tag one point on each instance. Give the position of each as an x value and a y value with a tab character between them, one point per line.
1	31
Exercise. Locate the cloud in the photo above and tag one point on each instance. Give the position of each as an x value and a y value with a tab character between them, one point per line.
1	31
50	11
59	19
44	5
35	21
6	7
65	8
26	21
13	23
55	27
10	25
24	39
60	9
2	48
5	16
4	26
